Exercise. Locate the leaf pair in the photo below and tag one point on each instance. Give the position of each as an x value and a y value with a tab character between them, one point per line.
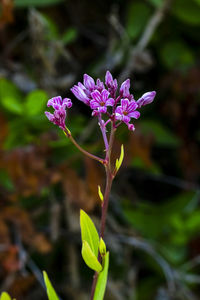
90	247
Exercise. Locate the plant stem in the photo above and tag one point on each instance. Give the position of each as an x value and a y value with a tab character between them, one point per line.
103	130
109	180
68	134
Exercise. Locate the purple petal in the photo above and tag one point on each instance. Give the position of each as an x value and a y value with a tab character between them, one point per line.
80	94
67	102
134	114
147	98
49	116
124	104
131	127
124	89
94	104
119	110
132	106
96	95
104	95
115	84
88	82
54	101
126	119
102	109
108	79
118	116
100	85
110	102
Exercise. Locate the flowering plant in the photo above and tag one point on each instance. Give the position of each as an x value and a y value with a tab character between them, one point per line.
112	107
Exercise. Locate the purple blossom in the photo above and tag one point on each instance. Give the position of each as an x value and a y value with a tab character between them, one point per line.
111	84
59	115
124	89
100	101
80	93
147	98
126	111
89	82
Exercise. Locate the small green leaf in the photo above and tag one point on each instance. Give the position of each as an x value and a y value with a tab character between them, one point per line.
100	193
102	247
36	102
119	161
89	232
5	296
102	279
50	290
89	258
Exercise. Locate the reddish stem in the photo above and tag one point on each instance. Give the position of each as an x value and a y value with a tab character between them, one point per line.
109	180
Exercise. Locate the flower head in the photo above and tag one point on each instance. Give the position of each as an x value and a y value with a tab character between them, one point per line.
59	115
100	101
126	111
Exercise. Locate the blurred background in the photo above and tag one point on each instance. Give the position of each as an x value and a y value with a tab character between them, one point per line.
153	227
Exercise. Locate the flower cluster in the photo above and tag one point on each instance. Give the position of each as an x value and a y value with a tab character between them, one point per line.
59	115
99	97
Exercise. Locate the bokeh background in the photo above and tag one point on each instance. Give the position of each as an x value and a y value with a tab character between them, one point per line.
153	228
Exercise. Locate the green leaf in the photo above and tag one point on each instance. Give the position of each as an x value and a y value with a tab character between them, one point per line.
12	105
100	193
50	290
36	102
119	161
89	232
187	11
176	54
163	136
102	279
137	17
29	3
89	258
69	36
5	296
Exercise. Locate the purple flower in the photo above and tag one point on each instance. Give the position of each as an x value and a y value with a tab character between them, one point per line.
100	101
111	84
88	82
100	85
126	111
124	90
147	98
59	115
80	93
